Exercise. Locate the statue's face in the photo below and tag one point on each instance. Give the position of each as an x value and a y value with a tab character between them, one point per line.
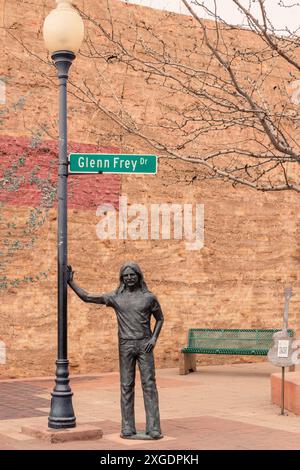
130	278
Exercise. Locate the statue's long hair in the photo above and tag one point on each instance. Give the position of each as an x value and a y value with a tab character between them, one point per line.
135	267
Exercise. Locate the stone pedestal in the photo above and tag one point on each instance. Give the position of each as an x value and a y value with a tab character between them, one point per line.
82	432
291	391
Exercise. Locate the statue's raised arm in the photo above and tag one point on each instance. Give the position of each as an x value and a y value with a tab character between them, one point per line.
85	296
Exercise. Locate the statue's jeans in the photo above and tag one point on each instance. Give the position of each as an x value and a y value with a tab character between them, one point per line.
130	352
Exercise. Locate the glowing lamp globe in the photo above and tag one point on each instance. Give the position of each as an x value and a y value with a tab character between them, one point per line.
63	28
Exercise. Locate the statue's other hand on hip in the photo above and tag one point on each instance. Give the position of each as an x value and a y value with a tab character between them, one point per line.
150	344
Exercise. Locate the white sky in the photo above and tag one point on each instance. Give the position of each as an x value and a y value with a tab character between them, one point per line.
281	17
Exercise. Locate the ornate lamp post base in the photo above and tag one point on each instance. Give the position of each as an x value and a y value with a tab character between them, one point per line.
61	412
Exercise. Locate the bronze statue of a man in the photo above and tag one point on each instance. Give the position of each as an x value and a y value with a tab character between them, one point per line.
134	305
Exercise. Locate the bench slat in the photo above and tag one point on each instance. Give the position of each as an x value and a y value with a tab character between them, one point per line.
234	352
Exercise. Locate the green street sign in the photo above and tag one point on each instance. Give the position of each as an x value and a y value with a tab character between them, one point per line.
113	163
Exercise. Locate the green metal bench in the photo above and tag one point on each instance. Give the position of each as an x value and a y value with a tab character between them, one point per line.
239	342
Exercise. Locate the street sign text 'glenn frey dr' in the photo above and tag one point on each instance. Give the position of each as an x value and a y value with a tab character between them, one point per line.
113	163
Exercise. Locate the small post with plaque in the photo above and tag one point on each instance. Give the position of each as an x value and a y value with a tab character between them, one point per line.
282	390
280	354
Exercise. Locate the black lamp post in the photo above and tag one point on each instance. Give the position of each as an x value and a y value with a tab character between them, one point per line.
63	35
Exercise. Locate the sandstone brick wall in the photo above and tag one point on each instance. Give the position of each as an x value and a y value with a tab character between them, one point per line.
251	249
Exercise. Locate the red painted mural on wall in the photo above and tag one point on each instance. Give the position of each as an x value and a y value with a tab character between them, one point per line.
28	172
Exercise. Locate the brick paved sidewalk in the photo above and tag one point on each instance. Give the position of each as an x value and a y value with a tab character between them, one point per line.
218	407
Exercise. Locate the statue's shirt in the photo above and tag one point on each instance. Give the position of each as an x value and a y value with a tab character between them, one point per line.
134	310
